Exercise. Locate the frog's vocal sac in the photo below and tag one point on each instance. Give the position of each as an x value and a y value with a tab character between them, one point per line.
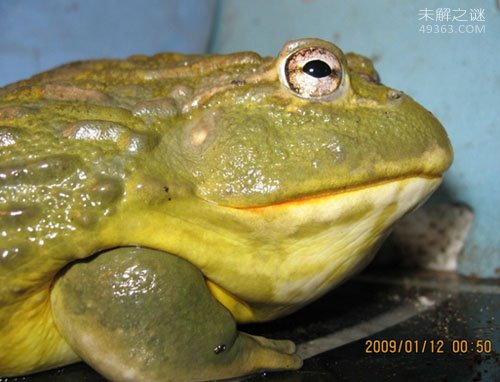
148	205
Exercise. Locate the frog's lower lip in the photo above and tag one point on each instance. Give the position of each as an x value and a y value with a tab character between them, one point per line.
316	198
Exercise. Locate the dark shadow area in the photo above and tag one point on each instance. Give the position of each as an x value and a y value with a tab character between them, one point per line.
453	331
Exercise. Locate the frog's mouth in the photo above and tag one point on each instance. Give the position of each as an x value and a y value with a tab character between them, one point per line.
312	199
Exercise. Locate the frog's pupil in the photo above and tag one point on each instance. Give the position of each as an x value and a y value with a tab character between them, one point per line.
317	69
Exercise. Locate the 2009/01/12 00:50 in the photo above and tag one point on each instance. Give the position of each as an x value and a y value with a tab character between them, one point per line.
378	346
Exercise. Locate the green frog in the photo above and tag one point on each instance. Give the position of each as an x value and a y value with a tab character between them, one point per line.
148	205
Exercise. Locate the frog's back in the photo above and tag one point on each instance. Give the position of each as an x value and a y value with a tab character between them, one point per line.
67	148
70	139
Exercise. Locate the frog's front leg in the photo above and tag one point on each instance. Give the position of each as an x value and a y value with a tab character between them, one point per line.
136	314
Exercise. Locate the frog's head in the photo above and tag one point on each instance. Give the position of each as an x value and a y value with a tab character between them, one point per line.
299	166
311	122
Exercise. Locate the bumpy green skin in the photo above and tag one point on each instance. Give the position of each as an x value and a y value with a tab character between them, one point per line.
88	148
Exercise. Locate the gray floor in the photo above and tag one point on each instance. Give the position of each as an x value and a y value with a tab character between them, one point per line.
414	325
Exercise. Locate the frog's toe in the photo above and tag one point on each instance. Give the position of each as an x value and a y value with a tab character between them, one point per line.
136	314
265	354
283	346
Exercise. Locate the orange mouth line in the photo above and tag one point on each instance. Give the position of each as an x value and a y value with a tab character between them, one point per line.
317	197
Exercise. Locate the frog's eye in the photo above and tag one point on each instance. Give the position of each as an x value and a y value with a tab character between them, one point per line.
313	73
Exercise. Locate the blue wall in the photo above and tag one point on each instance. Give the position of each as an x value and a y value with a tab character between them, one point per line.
36	35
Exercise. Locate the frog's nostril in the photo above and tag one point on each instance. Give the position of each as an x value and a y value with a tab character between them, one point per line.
394	94
374	78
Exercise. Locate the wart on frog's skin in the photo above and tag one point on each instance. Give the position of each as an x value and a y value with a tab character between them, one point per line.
219	349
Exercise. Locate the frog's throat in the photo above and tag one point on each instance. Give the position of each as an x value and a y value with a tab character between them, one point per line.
319	260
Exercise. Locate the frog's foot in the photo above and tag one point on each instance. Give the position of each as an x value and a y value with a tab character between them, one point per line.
141	315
